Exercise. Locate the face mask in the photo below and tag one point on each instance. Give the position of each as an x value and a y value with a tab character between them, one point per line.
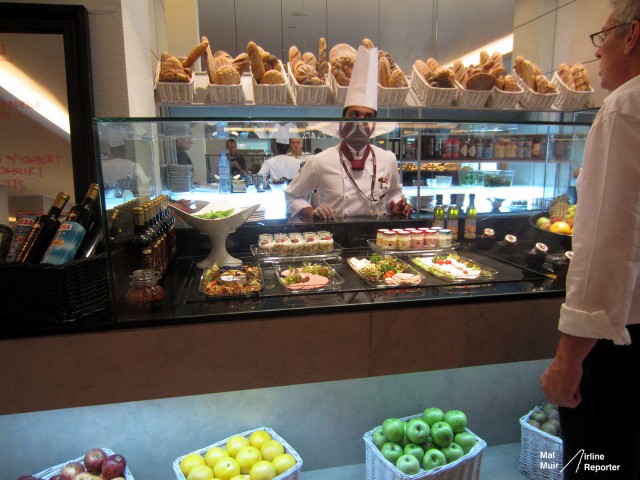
355	142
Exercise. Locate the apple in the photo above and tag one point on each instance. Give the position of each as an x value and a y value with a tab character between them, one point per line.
433	458
393	429
466	440
417	430
405	440
408	464
539	416
545	226
533	423
93	460
86	476
542	220
456	419
432	415
113	466
453	452
391	452
415	450
29	477
555	219
378	438
427	444
71	469
55	477
442	434
549	427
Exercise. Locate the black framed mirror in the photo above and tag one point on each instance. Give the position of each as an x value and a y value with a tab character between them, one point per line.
72	22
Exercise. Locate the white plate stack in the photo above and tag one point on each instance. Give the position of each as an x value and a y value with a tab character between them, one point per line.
257	215
180	178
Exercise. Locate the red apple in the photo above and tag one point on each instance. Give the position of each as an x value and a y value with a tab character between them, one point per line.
28	477
93	460
113	467
86	476
71	469
57	477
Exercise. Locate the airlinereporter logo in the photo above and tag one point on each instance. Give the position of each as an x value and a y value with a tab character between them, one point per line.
581	462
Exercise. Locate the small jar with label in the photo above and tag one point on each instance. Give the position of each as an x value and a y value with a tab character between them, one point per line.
444	238
403	241
389	240
144	293
500	148
417	238
511	148
431	238
265	243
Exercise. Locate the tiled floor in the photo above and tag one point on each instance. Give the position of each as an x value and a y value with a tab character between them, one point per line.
499	462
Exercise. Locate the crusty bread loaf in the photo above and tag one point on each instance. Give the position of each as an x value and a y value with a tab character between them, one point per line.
384	71
228	75
240	62
397	79
510	84
432	64
323	58
367	43
295	56
484	57
481	81
305	73
255	61
310	59
421	67
580	78
211	67
341	52
272	77
339	76
172	70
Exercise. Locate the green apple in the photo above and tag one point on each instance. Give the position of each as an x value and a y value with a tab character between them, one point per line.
549	427
427	444
539	416
393	429
378	438
432	415
405	440
453	452
408	464
417	430
415	450
391	452
466	440
442	434
542	220
433	458
456	419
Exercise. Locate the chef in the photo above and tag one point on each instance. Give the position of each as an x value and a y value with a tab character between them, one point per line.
354	177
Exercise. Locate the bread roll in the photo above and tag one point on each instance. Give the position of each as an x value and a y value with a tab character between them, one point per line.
498	71
500	83
228	75
305	73
195	54
421	67
171	69
310	59
497	59
432	64
367	43
295	56
484	57
580	78
272	77
255	61
384	71
460	71
481	81
240	62
510	84
340	77
342	51
397	79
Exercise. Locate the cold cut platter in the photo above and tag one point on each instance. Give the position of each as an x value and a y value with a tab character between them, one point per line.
453	267
385	271
307	277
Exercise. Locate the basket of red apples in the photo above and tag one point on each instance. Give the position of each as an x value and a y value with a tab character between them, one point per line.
96	464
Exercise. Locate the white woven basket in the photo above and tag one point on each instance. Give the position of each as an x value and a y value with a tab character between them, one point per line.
465	468
50	472
224	94
271	94
339	92
533	100
504	99
471	98
432	96
540	452
173	92
291	474
309	94
569	99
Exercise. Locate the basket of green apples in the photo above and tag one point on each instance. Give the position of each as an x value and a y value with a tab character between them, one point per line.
433	444
541	444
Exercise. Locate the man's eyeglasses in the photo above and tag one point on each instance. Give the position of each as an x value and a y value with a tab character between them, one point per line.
598	38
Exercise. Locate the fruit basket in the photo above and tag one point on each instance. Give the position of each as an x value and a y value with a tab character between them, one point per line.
549	237
291	474
465	468
50	472
540	452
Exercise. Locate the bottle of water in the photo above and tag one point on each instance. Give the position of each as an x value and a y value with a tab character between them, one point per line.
224	172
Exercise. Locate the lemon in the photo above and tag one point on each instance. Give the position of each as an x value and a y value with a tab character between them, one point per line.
239	477
283	462
258	438
263	470
235	443
226	468
214	454
560	227
200	472
271	449
189	461
247	457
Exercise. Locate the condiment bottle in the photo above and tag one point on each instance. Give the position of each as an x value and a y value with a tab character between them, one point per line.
452	217
470	218
438	212
144	292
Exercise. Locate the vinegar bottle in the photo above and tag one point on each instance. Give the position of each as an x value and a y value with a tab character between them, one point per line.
438	213
452	217
470	219
42	232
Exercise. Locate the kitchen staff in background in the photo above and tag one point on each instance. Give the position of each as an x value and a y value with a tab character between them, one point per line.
595	374
237	162
354	177
281	168
182	147
119	171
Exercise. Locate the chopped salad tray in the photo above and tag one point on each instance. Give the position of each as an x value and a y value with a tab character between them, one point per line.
231	281
453	267
307	277
385	271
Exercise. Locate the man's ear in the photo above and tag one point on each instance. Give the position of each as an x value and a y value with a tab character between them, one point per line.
632	43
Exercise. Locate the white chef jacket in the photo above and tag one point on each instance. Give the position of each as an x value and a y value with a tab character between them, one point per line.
114	169
323	172
280	166
603	282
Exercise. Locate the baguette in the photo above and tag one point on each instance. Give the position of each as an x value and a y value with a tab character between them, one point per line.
432	64
397	79
195	54
294	57
255	61
367	43
323	62
384	71
422	68
211	67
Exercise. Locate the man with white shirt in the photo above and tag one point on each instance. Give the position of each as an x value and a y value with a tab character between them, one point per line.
281	168
594	376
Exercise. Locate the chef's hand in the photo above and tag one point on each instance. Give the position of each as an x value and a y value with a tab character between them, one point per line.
401	207
325	212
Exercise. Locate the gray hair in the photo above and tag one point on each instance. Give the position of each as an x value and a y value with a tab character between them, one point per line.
625	11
